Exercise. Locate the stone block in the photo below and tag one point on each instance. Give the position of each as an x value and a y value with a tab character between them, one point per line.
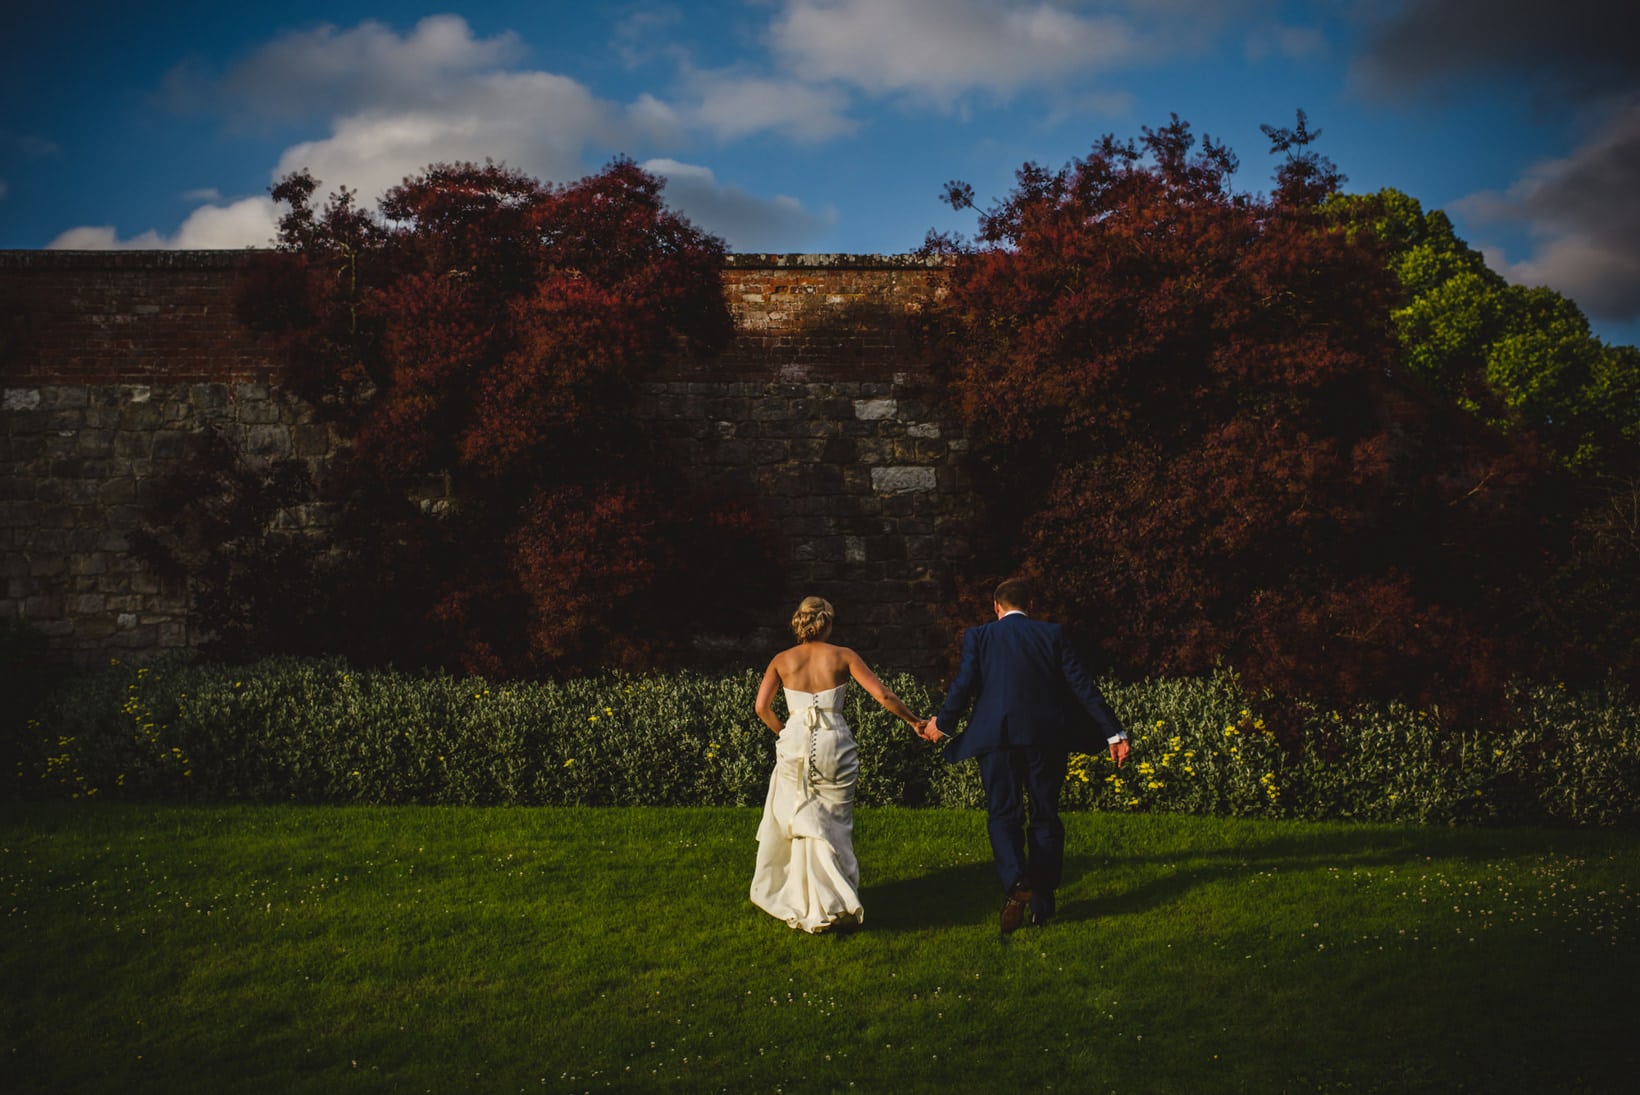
96	444
126	517
133	444
768	452
20	399
26	423
117	492
170	445
206	397
86	538
95	628
267	442
99	417
900	480
874	410
259	412
20	513
65	395
136	637
141	416
764	410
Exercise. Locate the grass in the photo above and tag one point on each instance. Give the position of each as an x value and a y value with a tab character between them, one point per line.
328	949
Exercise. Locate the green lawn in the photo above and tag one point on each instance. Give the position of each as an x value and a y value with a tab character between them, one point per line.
444	950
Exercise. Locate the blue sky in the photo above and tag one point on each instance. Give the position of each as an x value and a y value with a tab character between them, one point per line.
823	125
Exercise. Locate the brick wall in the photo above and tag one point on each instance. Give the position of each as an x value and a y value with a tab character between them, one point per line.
820	408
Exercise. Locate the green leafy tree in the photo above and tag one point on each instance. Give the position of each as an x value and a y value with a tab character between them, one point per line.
1522	358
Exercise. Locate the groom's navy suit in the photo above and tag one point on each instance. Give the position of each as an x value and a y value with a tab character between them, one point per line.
1034	704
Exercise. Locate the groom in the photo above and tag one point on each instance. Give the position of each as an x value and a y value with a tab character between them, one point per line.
1034	704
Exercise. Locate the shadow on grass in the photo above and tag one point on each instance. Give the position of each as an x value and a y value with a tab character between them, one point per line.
1366	847
947	897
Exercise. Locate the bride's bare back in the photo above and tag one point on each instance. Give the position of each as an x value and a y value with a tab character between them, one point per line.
816	666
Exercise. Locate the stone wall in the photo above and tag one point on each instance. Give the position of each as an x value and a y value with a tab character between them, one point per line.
820	408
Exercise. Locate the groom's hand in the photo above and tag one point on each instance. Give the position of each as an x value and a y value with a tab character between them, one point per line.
931	730
1119	751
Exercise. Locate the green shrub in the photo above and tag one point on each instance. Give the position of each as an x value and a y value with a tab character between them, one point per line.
321	731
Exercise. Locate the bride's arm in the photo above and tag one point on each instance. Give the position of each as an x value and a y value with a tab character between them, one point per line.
879	691
765	698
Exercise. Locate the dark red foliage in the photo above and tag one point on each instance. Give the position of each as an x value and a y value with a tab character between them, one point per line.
479	346
1188	422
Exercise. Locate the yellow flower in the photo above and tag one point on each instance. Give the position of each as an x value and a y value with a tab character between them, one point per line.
592	718
569	763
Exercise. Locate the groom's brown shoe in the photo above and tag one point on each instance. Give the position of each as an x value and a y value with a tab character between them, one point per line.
1014	910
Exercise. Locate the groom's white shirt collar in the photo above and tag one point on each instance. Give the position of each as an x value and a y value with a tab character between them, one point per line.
1012	612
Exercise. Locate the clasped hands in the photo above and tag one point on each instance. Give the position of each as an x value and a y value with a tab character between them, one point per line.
927	729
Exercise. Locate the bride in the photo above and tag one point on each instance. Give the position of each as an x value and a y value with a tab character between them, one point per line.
806	871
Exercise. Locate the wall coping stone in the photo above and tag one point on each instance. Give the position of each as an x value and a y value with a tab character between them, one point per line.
38	259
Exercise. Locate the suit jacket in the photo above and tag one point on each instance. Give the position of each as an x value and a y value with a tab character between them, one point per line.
1029	688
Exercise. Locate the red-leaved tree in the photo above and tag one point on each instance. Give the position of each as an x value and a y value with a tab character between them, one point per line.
1189	424
479	342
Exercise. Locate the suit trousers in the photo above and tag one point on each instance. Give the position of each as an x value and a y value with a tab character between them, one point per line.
1022	786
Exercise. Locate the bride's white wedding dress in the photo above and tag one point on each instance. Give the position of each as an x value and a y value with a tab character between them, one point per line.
806	871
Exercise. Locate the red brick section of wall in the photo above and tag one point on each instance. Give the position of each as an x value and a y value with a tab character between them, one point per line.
133	317
144	317
837	317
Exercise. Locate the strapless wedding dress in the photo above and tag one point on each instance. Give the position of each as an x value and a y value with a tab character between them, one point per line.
806	871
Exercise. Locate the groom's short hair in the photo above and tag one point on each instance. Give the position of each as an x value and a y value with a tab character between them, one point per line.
1014	593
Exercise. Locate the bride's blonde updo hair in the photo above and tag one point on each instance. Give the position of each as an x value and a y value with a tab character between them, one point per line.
812	620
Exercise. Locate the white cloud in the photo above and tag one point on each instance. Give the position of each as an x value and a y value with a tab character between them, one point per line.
537	122
1581	215
941	49
203	194
747	222
251	222
370	66
731	106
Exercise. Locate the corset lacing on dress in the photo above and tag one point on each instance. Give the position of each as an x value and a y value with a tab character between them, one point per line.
812	723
